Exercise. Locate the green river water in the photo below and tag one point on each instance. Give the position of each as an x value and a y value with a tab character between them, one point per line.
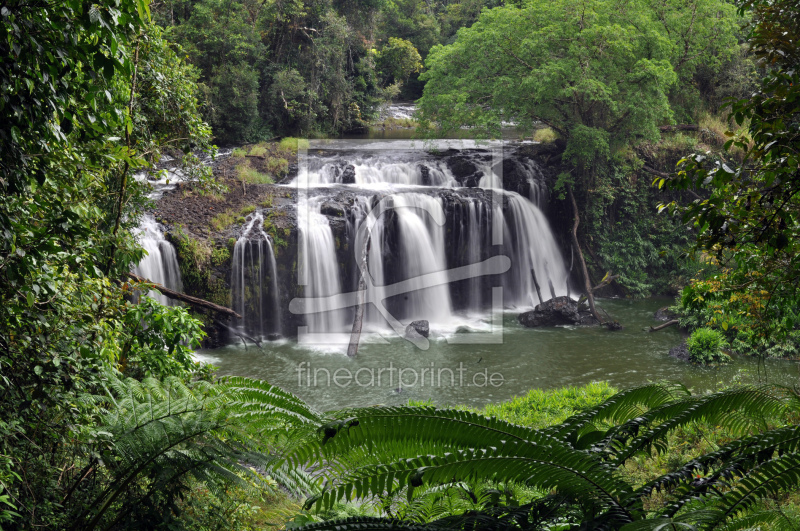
476	374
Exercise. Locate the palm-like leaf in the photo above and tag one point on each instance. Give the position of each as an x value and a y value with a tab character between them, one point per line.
391	451
164	431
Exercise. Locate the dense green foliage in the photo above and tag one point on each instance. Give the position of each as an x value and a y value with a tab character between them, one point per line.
408	458
749	222
90	94
267	69
599	73
106	422
705	346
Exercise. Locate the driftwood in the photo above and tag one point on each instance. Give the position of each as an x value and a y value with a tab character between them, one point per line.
358	319
536	285
680	127
663	326
194	301
244	337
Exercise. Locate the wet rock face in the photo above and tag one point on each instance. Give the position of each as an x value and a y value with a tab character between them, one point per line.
558	311
418	328
426	174
349	174
333	209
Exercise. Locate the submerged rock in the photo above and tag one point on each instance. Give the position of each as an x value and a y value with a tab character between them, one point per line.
426	174
665	314
557	311
418	328
681	352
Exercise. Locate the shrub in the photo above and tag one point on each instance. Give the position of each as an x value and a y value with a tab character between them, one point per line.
293	144
539	408
545	135
705	346
222	221
252	176
259	150
277	166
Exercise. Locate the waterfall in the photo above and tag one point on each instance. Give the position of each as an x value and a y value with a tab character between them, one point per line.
409	244
440	214
531	246
320	266
160	265
254	282
404	169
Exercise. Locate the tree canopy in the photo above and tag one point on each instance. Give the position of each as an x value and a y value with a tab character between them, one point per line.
597	72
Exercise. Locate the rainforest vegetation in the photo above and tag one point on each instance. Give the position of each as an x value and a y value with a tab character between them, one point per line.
107	423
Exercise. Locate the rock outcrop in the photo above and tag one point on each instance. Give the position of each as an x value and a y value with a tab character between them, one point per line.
665	314
418	328
558	311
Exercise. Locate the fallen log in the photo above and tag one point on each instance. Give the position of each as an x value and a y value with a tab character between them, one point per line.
244	337
194	301
665	325
679	127
654	171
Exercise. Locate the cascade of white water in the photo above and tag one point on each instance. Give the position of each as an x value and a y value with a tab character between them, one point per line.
409	246
476	229
398	169
160	265
530	245
421	245
321	268
254	282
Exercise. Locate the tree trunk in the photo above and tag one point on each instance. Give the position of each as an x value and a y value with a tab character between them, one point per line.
680	127
587	284
194	301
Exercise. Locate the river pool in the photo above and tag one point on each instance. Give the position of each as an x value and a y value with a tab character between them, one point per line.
390	370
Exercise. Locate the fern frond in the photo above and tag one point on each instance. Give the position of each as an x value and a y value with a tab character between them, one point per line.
732	460
384	450
737	409
770	478
620	408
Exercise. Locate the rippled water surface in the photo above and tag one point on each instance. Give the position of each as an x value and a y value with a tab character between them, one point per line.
477	374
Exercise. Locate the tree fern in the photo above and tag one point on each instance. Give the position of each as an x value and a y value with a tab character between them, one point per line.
158	433
388	452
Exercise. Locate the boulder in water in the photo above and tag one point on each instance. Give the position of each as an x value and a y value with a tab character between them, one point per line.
418	328
461	167
426	174
665	314
557	311
681	352
330	208
349	174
